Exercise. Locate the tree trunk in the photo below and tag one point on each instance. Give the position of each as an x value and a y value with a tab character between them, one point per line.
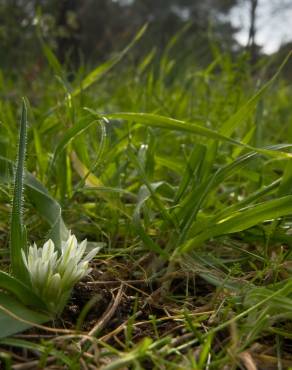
251	45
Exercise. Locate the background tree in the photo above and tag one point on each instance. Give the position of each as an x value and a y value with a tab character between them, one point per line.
94	28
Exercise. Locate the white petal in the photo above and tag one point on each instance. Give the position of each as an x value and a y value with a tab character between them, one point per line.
34	251
70	248
48	250
91	254
69	278
81	249
54	287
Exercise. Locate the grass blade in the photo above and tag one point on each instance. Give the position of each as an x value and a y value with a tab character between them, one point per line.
99	71
20	291
243	219
244	112
15	317
17	228
154	120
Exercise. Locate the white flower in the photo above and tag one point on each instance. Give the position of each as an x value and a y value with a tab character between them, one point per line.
52	277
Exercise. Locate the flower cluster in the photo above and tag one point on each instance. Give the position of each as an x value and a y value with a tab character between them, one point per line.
52	276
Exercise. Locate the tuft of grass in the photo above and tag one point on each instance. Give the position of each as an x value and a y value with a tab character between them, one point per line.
182	174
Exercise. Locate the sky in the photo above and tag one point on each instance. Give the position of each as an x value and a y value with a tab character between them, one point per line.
274	23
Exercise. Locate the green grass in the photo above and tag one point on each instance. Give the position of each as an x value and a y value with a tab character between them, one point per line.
183	175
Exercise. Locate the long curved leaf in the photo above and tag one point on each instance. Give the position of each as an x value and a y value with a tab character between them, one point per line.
193	202
158	121
243	219
19	290
15	317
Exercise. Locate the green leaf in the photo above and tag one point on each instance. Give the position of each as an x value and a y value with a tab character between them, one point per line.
195	199
23	293
52	59
75	131
94	183
172	164
17	229
143	195
244	111
42	348
48	208
128	358
15	317
71	134
155	198
154	120
191	169
242	220
286	184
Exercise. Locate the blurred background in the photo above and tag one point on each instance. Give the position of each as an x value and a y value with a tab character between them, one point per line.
88	31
